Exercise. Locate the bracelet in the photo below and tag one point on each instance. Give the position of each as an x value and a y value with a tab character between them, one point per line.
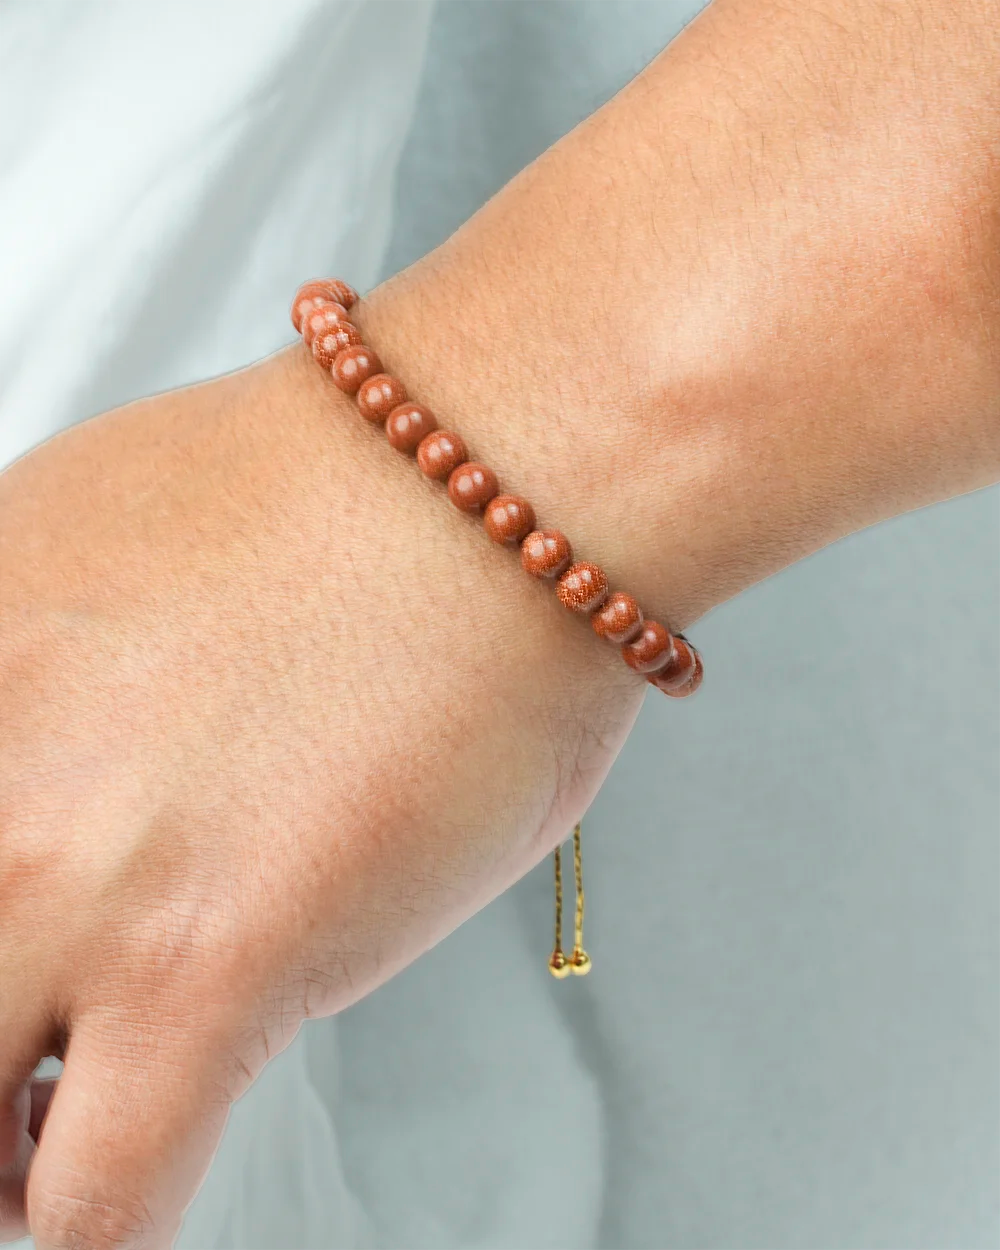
666	660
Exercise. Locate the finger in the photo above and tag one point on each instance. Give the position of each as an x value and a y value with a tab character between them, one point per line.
14	1106
21	1048
13	1172
22	1045
129	1134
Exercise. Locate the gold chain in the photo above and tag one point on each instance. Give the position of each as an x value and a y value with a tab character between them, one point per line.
578	961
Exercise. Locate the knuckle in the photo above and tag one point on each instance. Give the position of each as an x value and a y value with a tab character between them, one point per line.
64	1220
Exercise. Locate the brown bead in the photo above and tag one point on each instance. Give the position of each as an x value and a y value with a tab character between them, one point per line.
678	670
650	650
508	518
407	425
440	453
309	296
353	365
334	339
321	318
619	620
341	293
583	587
692	683
546	553
314	294
471	486
379	395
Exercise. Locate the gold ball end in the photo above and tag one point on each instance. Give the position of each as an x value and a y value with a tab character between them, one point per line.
559	964
579	963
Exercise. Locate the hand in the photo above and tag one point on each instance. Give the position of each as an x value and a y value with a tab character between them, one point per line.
276	718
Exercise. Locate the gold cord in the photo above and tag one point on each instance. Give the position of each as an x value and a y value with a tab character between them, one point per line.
578	961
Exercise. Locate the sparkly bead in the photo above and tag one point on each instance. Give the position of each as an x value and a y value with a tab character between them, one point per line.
651	649
545	553
508	518
692	683
582	588
322	318
334	339
408	425
579	963
678	670
341	293
440	453
353	365
472	485
379	395
315	294
619	620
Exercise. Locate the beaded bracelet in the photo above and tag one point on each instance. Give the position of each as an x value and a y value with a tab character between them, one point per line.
666	660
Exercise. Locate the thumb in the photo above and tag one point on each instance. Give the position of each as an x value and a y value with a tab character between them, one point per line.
129	1135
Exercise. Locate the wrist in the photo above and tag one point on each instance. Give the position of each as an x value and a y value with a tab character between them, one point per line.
587	453
485	636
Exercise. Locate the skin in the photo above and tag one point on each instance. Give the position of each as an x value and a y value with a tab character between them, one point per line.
276	718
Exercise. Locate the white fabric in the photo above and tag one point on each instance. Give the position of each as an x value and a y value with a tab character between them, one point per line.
790	1035
171	171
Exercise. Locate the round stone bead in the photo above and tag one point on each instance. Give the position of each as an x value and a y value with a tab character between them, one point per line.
508	518
379	395
546	553
678	670
313	295
341	293
582	588
322	318
354	365
692	683
651	648
471	486
619	620
334	339
440	453
408	425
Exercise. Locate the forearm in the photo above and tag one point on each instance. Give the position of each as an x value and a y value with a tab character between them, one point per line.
746	308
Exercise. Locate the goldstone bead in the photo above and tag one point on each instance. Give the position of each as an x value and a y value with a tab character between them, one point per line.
313	295
583	587
508	518
354	365
678	670
408	425
619	620
650	650
546	553
692	683
334	339
379	395
440	453
471	486
322	318
341	293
